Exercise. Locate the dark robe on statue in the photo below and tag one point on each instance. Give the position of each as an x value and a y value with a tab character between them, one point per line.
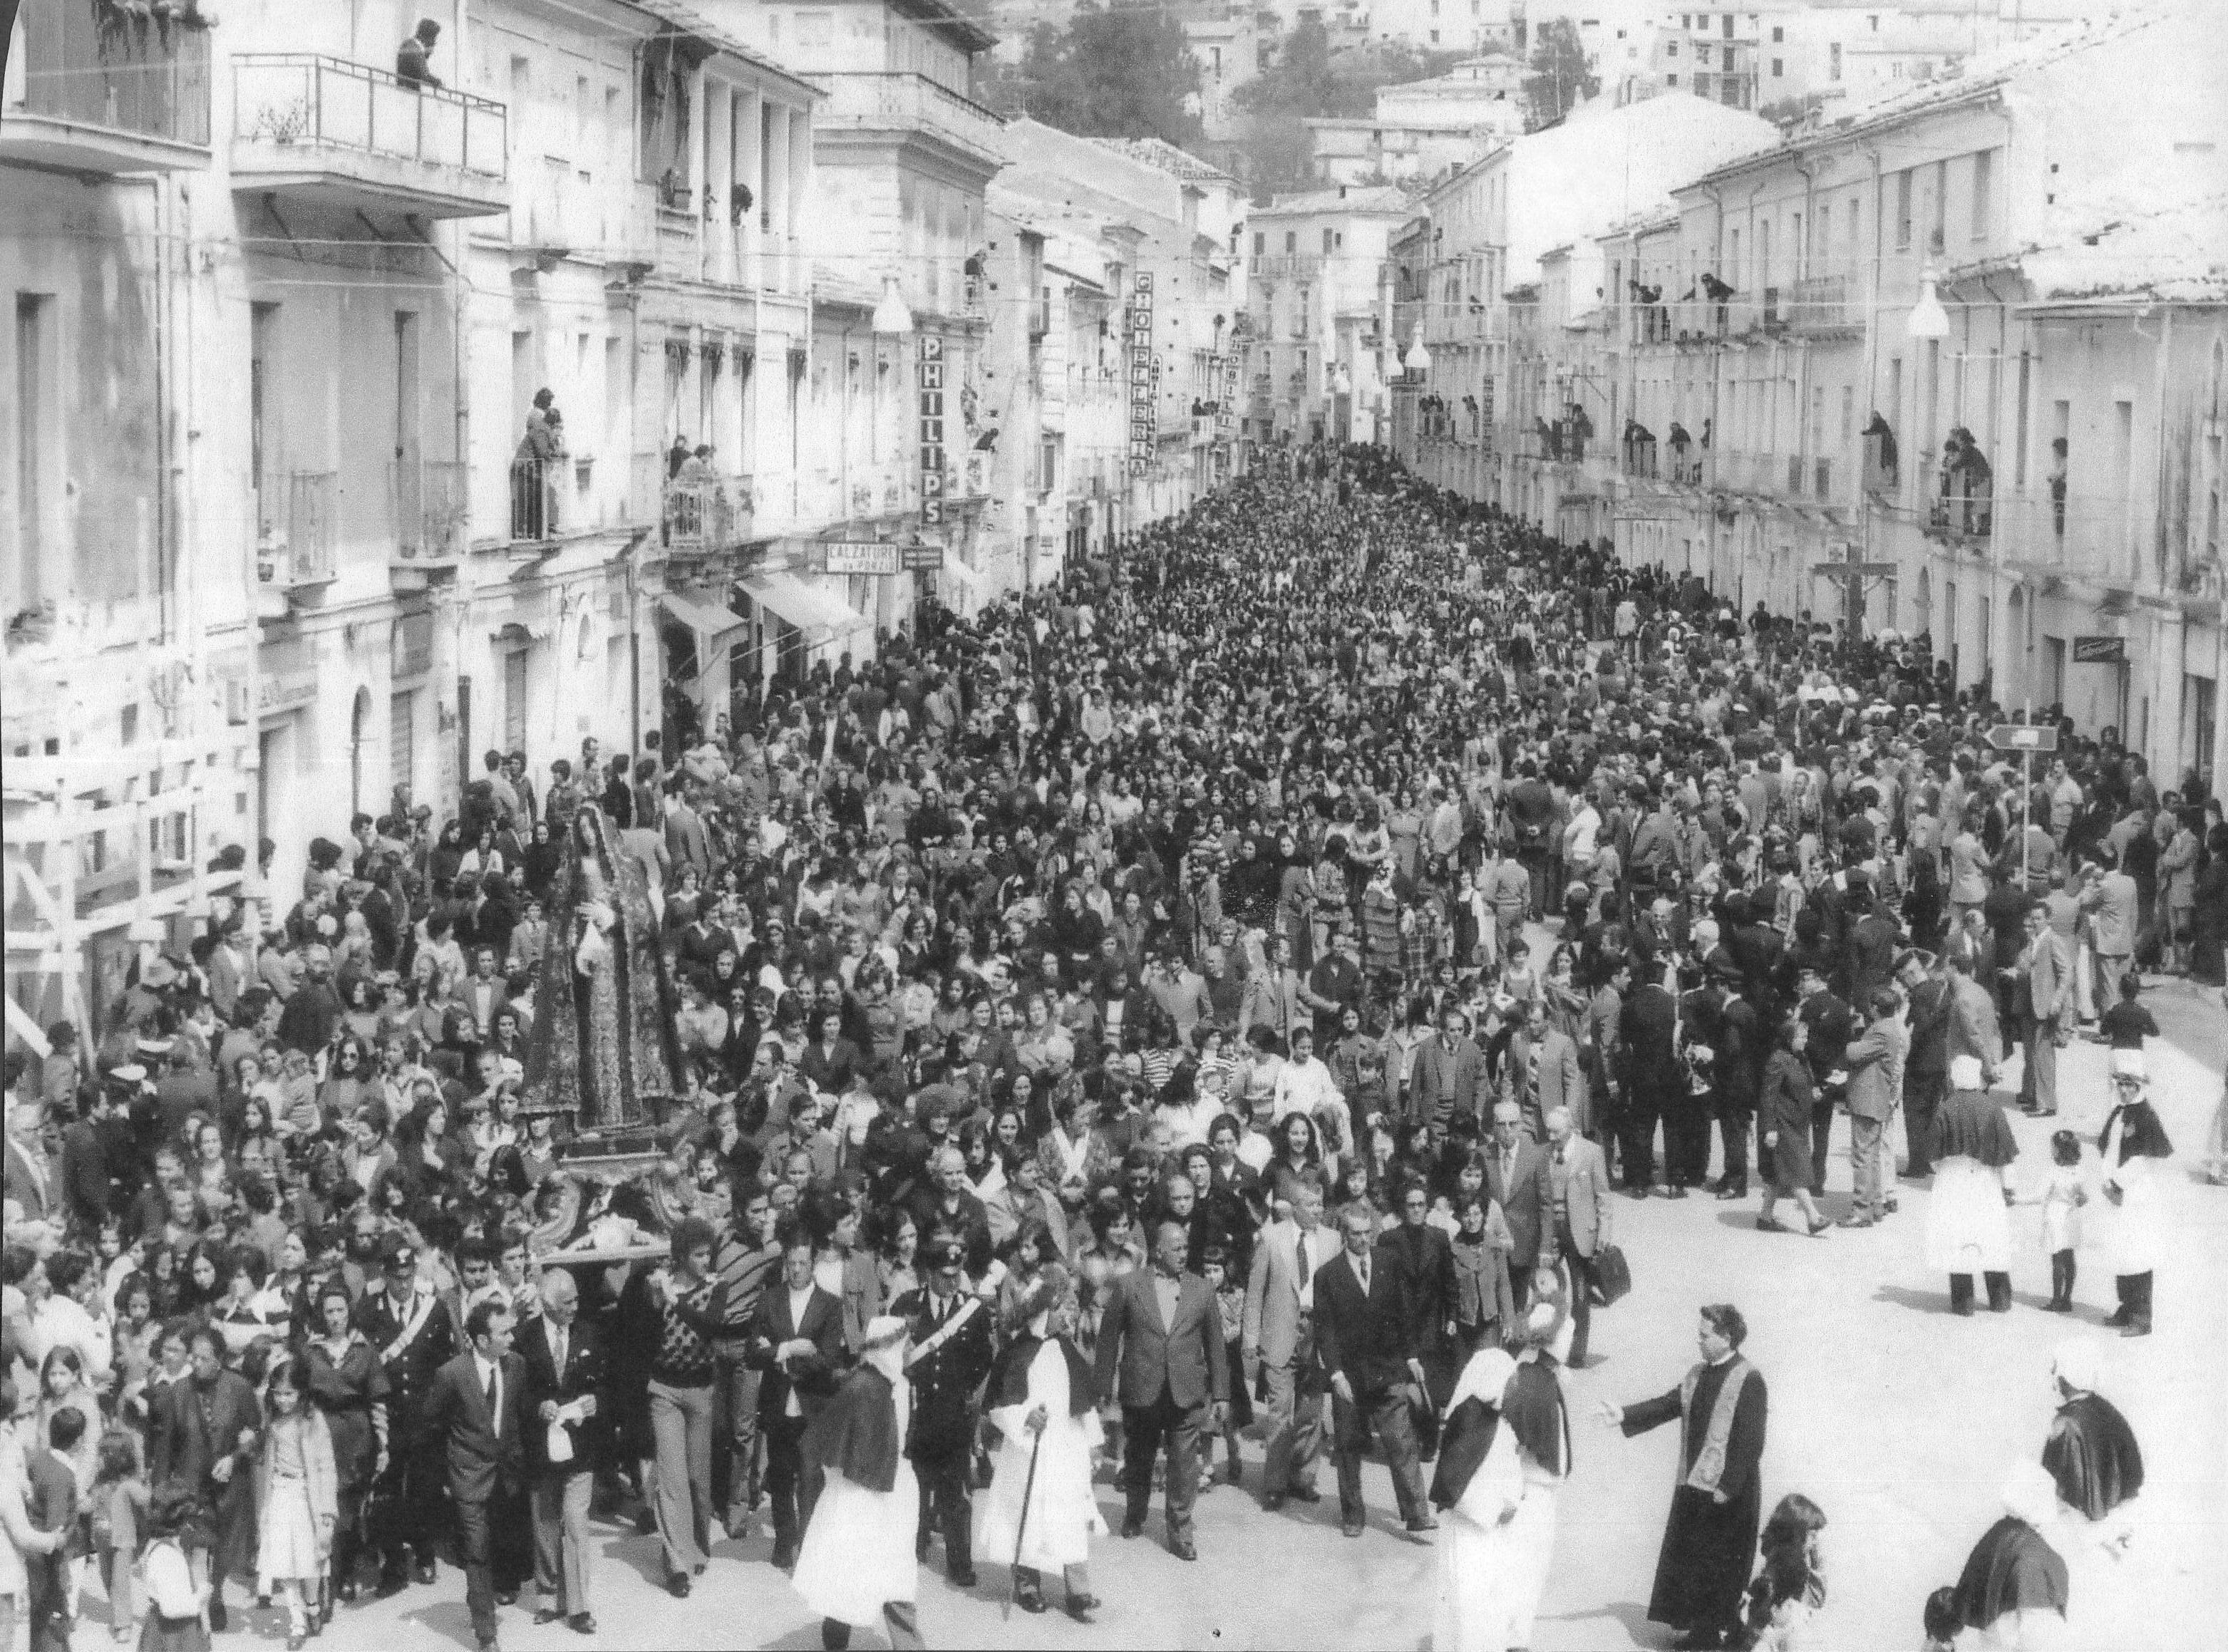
2012	1568
603	1048
1708	1546
2092	1456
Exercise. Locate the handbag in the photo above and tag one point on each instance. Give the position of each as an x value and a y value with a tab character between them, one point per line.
1612	1276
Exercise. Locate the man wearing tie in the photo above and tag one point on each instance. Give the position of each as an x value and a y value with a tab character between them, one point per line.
1361	1328
1579	1175
1518	1177
476	1407
951	1350
798	1343
1161	1352
564	1367
1279	1341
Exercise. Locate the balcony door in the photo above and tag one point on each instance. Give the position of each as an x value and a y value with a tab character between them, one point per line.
407	390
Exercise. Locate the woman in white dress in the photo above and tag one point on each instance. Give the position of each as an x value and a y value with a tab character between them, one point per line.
856	1564
1043	1400
2135	1149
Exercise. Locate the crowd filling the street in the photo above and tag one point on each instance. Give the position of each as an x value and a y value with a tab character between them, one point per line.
1190	1029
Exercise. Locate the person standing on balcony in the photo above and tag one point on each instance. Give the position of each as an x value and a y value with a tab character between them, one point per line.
413	65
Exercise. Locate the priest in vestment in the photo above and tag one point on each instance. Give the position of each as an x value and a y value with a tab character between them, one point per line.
1709	1544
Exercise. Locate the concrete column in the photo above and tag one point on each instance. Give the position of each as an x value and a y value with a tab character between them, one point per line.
747	116
700	87
719	231
800	175
777	202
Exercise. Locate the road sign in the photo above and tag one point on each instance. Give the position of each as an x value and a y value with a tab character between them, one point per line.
1843	570
858	556
921	558
2024	737
2100	650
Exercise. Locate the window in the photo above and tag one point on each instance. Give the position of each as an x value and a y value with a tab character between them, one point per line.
1702	55
1260	243
401	741
1671	80
1729	25
1903	210
1292	240
1778	34
514	701
1983	168
1778	67
1833	60
1671	49
1327	240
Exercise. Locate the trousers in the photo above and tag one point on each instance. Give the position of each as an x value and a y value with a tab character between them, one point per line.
2039	1073
1921	1096
946	1506
1864	1135
1146	1432
734	1435
1296	1418
680	1422
1385	1413
493	1544
1734	1125
562	1550
790	1489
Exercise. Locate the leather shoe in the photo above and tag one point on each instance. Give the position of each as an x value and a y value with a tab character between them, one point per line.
1132	1526
1029	1600
677	1586
547	1614
1079	1607
1732	1193
581	1622
490	1645
426	1572
1303	1494
1853	1220
785	1556
1423	1523
1272	1502
506	1597
963	1577
1349	1528
1183	1550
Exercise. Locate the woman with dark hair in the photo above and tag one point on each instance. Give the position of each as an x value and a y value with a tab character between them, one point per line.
841	1265
690	1304
1299	1160
1783	1115
539	860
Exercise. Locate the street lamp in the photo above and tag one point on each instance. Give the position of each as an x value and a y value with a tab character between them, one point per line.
1927	318
892	318
1418	360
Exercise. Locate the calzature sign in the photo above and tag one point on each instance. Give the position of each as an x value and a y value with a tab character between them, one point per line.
859	556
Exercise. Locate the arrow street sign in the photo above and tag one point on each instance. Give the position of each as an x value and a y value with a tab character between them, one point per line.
2024	737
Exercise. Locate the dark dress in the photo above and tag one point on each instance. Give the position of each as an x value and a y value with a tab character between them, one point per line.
1709	1547
1785	1107
346	1392
2012	1568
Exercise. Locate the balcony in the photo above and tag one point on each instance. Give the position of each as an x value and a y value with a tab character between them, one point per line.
707	515
540	492
90	88
295	517
431	505
312	128
1821	304
1285	266
909	103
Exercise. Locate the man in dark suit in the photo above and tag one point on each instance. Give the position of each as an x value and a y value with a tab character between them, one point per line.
1926	1068
1448	1073
476	1407
1360	1334
1160	1353
89	1181
1831	1026
951	1349
564	1362
1422	1260
1518	1177
1652	1075
798	1343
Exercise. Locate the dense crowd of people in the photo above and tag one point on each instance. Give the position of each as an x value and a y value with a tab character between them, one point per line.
1240	977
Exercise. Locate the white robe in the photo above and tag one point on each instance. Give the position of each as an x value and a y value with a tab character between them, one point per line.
1478	1559
2133	1229
857	1553
1968	1228
1063	1516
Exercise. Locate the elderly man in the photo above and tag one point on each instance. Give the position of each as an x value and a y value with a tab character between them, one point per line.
1579	1173
1160	1353
1376	1372
1874	1059
564	1367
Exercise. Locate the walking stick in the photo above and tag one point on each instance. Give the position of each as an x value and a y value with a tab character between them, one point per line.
1021	1530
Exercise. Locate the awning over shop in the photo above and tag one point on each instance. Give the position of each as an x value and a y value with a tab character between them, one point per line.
819	613
709	623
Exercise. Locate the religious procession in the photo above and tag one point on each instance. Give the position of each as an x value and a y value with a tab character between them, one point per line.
1227	1030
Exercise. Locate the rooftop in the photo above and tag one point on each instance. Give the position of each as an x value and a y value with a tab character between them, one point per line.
1375	198
1159	153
